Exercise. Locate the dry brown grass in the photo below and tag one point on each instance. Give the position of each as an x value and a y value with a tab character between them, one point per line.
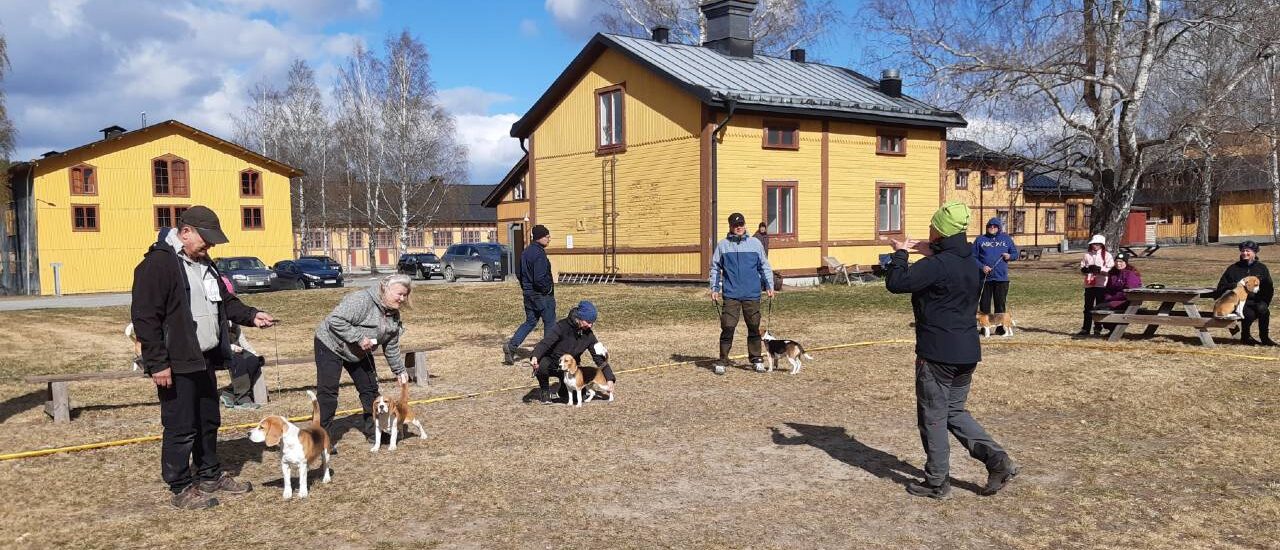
1121	446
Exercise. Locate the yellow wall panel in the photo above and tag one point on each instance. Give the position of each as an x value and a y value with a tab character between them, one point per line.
103	261
744	165
855	169
635	264
1243	214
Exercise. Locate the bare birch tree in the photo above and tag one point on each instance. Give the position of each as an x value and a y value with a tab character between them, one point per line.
7	132
776	26
1081	70
360	120
304	133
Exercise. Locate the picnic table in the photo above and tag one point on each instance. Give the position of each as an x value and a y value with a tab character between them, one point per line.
1164	314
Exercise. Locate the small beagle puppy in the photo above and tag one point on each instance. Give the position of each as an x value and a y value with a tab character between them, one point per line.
790	350
390	415
299	447
578	378
1231	304
988	322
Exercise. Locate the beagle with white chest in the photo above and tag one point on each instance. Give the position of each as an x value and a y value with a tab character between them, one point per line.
299	446
391	415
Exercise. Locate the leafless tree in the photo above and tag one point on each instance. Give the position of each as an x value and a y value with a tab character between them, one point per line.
304	132
7	131
1077	71
776	26
360	120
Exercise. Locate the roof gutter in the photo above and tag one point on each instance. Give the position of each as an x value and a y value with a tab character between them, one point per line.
732	105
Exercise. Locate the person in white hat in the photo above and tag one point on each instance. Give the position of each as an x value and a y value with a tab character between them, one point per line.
1095	265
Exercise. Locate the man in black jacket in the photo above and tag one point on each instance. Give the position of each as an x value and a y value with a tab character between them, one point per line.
572	335
1257	307
180	311
538	287
944	288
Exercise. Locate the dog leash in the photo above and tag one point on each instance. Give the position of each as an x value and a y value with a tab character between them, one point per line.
768	316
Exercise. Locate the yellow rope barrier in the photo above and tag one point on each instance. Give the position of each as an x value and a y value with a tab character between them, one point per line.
455	397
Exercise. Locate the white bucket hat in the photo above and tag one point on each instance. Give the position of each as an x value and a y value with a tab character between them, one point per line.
1098	239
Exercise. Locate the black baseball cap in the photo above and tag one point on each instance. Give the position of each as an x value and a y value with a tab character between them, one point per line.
205	223
736	219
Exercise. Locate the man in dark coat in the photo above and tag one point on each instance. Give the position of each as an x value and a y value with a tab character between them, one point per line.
1257	307
180	312
944	297
571	335
538	289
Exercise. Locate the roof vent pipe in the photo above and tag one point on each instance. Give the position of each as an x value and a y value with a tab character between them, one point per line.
891	83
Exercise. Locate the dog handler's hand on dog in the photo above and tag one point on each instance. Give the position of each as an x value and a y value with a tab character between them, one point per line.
402	378
163	379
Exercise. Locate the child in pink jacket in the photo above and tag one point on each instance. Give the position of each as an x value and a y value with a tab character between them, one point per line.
1095	265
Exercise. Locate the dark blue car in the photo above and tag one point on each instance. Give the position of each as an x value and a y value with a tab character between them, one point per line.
306	273
247	274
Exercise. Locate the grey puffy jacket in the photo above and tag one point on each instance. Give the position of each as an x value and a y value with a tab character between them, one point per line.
361	315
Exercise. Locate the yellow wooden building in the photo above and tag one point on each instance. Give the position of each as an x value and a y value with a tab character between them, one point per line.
992	183
511	199
89	213
1240	204
641	148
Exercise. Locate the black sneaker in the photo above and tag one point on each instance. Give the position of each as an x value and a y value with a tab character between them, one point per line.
922	489
1247	341
1268	342
999	476
508	355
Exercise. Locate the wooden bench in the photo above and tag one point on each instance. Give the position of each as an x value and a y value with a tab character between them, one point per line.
1030	254
58	397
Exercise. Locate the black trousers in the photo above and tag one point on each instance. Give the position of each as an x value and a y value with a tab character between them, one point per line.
1260	312
999	290
941	392
749	310
1092	300
190	414
329	369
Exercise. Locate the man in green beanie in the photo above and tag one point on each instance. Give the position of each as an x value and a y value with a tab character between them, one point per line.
944	289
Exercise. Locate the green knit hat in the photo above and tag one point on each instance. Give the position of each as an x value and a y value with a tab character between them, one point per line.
951	218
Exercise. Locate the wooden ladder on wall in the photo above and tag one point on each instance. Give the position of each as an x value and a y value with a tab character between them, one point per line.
609	214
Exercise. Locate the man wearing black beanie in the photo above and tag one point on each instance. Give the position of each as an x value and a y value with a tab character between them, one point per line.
1257	307
538	287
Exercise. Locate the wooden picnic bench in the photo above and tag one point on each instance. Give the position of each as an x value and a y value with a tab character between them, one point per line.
1147	251
58	397
1168	298
1030	253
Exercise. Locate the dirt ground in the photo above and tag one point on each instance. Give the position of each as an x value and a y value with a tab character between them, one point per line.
1153	443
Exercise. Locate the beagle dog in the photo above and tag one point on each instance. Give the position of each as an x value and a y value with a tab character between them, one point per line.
1231	304
790	350
988	322
299	447
578	378
390	415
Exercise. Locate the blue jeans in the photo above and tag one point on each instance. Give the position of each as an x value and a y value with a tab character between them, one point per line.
536	306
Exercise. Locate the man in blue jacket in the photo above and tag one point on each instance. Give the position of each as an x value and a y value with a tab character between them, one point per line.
739	269
942	286
538	287
993	251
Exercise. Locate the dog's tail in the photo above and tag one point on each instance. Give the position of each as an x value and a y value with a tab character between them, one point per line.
315	408
804	353
404	392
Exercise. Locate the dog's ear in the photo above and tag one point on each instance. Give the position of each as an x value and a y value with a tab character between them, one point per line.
274	426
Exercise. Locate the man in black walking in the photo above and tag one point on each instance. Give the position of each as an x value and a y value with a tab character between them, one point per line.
944	289
538	287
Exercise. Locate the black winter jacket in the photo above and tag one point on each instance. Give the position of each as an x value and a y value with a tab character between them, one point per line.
566	337
535	271
161	313
944	296
1239	270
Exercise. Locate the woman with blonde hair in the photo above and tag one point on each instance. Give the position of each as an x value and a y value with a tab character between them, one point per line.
347	339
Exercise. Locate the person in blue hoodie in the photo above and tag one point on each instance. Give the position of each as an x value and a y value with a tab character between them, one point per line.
993	251
739	269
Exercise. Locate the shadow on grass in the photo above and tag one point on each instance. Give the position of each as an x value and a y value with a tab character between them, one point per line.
15	405
235	453
835	441
700	361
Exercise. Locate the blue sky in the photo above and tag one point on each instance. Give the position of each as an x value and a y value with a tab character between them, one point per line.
81	65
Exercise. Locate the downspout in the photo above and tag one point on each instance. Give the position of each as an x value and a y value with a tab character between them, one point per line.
732	104
31	202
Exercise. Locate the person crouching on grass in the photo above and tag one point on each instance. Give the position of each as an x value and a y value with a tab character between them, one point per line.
571	335
944	290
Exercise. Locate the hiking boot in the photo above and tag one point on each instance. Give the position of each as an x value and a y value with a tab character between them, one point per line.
999	476
1083	332
1268	342
226	484
247	406
192	498
508	355
718	368
922	489
228	400
1248	341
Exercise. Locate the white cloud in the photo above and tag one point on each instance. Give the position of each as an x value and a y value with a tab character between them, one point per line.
574	17
491	150
528	28
469	100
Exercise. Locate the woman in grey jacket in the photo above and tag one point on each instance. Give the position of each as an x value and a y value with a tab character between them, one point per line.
347	338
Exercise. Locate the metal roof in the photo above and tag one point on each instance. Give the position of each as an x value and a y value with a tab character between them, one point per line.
966	150
465	203
514	176
1056	183
760	82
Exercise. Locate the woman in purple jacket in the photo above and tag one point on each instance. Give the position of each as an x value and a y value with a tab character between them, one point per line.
1122	277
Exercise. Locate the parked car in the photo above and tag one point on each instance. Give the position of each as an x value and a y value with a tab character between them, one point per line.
488	261
425	265
247	274
300	273
332	263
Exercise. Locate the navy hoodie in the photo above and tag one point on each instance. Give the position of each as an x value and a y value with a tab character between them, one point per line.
944	296
987	251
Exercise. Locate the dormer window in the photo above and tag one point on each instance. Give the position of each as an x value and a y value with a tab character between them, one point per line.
517	192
